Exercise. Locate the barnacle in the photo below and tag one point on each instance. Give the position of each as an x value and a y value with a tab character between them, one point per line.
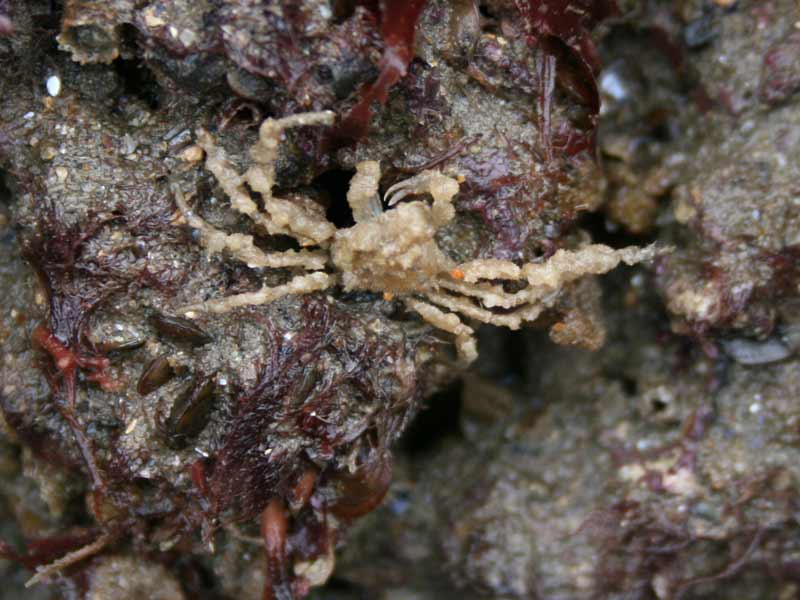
393	252
91	30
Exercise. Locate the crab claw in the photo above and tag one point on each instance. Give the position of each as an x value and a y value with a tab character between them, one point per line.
399	191
440	186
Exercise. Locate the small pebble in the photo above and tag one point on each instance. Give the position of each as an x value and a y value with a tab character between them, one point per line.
193	153
53	85
48	152
753	352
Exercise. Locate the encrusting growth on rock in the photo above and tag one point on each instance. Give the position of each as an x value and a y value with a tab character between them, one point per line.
393	252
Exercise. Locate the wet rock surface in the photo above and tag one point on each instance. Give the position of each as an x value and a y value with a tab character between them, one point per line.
328	443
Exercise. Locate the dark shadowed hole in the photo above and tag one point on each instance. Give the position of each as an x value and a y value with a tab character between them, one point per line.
439	418
5	191
7	197
629	386
47	17
605	231
138	82
195	577
335	184
343	10
663	131
503	355
488	20
485	11
658	405
340	586
279	243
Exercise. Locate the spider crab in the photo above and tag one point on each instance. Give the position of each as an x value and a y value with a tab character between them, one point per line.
393	252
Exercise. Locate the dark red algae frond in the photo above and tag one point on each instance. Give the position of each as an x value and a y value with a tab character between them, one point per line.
54	251
562	29
310	438
398	27
42	551
75	287
295	399
570	22
250	469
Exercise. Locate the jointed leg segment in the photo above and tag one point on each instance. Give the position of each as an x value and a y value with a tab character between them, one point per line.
241	246
465	340
301	284
281	216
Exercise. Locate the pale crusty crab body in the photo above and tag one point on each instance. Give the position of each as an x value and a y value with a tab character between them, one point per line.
392	252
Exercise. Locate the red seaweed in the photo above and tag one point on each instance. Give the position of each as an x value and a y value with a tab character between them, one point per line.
42	551
67	362
281	456
291	398
569	22
75	286
249	470
562	30
398	24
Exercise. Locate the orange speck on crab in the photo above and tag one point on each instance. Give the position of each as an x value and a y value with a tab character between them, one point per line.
559	327
388	296
457	274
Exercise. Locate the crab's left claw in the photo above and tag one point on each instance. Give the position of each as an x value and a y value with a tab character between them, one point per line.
400	190
441	187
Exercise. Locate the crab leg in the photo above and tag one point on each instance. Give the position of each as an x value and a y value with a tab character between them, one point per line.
490	296
265	151
283	217
595	259
241	246
232	182
465	342
489	268
301	284
544	279
308	228
466	307
362	196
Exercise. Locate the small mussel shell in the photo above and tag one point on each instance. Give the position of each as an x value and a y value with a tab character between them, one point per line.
116	337
190	411
361	492
154	375
111	347
180	329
